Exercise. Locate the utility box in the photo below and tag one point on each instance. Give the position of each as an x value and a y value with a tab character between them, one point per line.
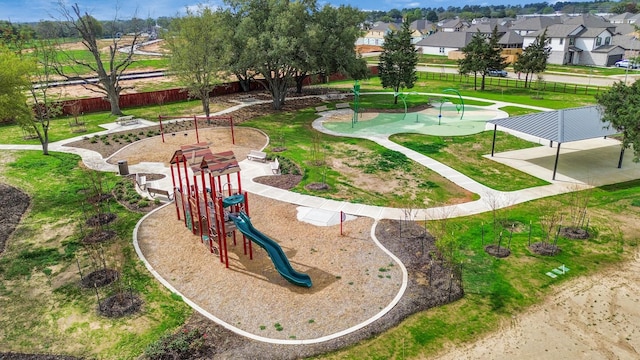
123	167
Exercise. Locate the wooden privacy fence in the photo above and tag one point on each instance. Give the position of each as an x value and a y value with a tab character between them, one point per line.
515	83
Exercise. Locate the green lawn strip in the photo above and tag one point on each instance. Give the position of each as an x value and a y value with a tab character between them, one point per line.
310	150
464	153
517	111
586	70
44	308
498	289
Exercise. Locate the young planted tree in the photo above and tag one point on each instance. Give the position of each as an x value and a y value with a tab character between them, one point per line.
108	68
46	106
619	107
533	59
198	54
482	55
397	67
474	61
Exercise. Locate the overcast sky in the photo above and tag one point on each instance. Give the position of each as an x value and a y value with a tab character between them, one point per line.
36	10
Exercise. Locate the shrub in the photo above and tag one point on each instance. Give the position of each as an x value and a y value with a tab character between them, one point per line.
178	346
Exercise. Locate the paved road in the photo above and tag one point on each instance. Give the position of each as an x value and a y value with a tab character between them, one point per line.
580	79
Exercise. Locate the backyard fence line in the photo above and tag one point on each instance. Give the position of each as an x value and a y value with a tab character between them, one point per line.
515	83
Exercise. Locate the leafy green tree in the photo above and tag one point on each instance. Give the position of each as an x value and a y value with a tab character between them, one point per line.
474	60
621	106
109	69
397	66
198	55
329	43
481	56
14	81
275	41
432	16
533	59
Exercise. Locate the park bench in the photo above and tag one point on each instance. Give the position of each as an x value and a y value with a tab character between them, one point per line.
322	108
275	166
342	106
126	120
256	155
153	192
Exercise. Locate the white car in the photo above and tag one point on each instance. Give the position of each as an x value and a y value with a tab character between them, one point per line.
626	64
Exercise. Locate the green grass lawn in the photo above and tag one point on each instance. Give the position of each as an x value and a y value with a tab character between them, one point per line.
464	153
316	153
497	289
43	308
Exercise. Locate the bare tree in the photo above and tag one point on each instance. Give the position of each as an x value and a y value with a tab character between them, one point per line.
108	70
45	106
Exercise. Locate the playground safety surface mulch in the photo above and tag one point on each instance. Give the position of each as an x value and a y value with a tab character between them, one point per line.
252	296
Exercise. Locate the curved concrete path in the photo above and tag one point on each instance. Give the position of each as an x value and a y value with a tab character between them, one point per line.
490	199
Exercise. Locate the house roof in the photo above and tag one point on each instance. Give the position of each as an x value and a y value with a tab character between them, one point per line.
452	23
383	26
458	39
559	31
626	42
421	24
594	32
625	29
624	17
511	37
589	21
561	126
487	28
536	23
606	49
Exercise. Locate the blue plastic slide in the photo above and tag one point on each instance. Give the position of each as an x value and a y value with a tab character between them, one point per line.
280	260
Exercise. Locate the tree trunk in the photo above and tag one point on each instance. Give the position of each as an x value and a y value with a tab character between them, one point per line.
475	81
299	81
206	106
482	83
114	100
244	81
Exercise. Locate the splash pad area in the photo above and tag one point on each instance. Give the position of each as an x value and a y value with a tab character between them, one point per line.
438	121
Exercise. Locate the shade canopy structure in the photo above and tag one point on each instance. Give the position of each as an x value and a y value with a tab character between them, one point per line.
559	126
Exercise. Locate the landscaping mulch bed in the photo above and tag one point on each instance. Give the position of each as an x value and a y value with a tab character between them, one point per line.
495	251
13	204
546	249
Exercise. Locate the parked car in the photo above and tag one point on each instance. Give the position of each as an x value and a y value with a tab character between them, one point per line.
495	72
626	63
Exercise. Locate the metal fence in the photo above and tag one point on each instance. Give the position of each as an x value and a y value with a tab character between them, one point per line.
515	83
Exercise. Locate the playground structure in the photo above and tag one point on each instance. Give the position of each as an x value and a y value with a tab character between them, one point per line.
204	121
210	206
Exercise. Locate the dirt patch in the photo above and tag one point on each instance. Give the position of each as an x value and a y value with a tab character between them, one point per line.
545	249
120	305
495	251
99	278
13	204
285	182
574	233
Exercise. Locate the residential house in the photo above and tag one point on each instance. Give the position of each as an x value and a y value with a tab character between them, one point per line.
561	40
420	29
532	24
452	25
624	18
375	35
442	43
